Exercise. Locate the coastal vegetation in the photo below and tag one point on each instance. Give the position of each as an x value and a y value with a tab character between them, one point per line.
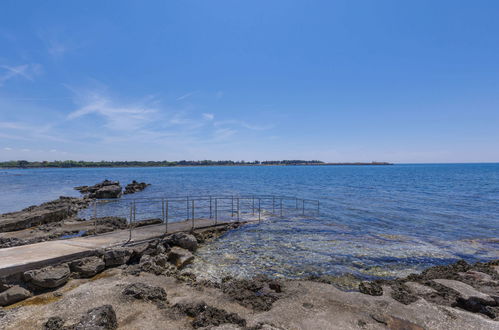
165	163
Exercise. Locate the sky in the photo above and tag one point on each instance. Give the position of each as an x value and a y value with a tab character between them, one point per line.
339	81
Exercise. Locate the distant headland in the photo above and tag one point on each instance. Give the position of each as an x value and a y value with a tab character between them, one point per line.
164	163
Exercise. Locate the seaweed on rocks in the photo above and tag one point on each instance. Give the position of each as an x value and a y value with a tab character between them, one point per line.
255	293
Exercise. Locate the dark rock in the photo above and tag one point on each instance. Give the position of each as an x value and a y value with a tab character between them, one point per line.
13	295
116	257
113	191
48	277
87	267
371	288
100	318
250	293
477	305
208	316
147	222
145	292
276	286
402	294
183	240
54	323
135	187
180	257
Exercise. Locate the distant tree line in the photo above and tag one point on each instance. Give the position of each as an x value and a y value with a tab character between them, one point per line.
164	163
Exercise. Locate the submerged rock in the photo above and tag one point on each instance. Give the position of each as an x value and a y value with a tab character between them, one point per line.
13	295
48	277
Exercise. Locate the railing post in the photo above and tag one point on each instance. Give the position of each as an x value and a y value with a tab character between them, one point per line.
95	217
210	209
273	205
163	210
232	207
130	222
281	207
303	207
253	205
238	209
166	216
318	212
259	211
216	210
187	207
296	206
192	214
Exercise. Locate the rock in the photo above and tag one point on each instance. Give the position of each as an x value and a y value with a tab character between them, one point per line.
100	318
49	212
419	289
465	291
183	240
276	286
87	267
147	222
205	315
370	288
48	277
145	292
154	264
13	295
113	191
250	293
475	276
116	257
54	323
180	257
135	187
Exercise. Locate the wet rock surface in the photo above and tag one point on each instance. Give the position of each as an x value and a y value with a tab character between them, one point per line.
206	316
371	288
180	257
135	186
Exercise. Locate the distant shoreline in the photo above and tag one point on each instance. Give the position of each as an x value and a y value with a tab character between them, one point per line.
28	165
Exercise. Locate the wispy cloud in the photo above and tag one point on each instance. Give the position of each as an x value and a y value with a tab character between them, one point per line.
118	117
25	71
185	96
208	116
244	124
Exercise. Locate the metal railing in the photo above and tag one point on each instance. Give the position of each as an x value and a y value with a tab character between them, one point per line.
215	208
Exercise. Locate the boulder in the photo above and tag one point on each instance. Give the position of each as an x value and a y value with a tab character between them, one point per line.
145	292
180	257
113	191
13	295
116	257
87	267
135	187
183	240
100	318
48	277
465	291
370	288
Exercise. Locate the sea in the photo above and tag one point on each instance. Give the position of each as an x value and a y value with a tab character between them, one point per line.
373	221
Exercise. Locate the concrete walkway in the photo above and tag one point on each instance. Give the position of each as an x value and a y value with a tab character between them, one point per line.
22	258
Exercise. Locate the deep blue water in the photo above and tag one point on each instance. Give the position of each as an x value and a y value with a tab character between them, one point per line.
374	220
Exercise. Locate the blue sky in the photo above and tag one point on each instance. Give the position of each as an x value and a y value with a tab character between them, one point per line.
399	81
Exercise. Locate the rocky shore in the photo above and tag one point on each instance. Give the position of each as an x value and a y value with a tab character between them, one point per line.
150	286
58	219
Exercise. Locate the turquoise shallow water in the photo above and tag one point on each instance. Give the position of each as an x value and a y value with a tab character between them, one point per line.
374	220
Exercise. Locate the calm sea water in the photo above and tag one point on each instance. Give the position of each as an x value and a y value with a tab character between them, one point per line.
374	220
